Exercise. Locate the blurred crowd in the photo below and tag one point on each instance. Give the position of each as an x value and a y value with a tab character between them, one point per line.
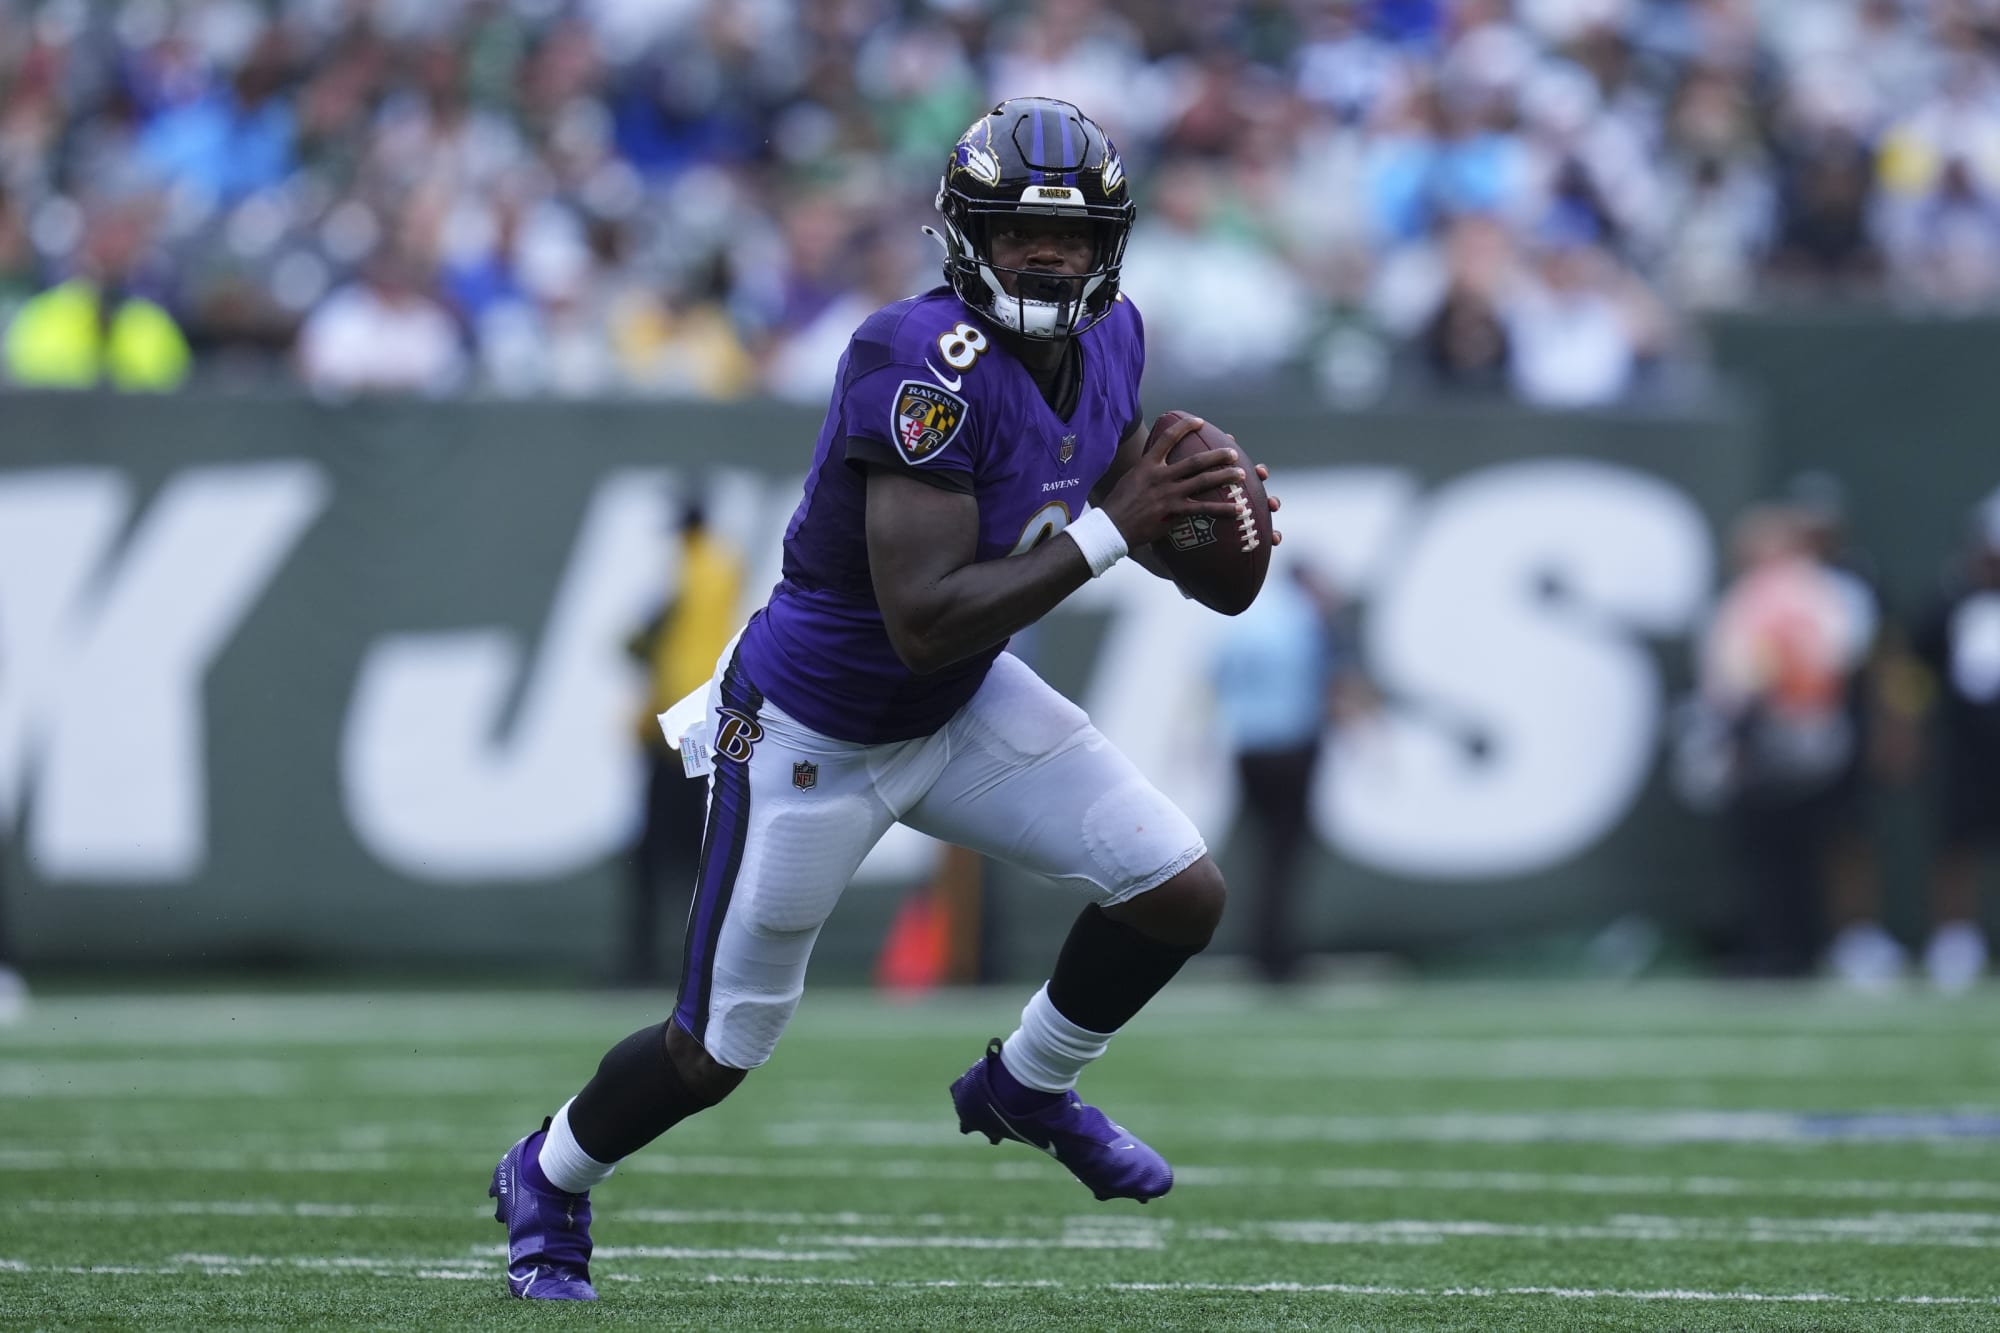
702	197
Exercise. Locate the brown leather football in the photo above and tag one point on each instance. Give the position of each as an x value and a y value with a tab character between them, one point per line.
1218	561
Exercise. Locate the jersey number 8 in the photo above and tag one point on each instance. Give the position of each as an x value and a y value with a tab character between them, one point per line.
961	346
1045	523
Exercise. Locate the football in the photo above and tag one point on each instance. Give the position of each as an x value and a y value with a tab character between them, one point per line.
1218	561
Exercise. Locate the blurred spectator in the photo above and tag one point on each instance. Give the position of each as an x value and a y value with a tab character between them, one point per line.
232	141
1217	304
1579	328
802	368
1718	228
13	990
95	328
1955	261
1465	343
1826	239
679	648
1079	51
381	335
17	259
1775	667
683	343
1960	641
1282	675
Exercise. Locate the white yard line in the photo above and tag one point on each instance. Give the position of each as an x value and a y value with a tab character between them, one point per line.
165	1077
209	1160
1546	1182
748	1217
1933	1230
180	1078
773	1254
324	1211
459	1269
1926	1230
1133	1240
1356	1289
1564	1293
239	1208
1948	1229
1186	1176
1278	1055
1620	1125
1639	1057
830	1015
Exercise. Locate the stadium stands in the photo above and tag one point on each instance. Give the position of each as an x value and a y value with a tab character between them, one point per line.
610	196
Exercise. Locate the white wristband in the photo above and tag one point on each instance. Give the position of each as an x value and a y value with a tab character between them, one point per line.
1102	544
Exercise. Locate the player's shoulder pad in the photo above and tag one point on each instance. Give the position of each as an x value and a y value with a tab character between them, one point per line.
929	349
934	328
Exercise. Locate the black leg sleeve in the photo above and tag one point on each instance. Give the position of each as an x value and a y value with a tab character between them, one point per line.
635	1096
1107	971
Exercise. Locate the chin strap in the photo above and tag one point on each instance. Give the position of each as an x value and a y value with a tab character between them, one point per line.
1001	305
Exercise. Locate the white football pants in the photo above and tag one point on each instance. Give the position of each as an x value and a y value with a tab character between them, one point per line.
1018	774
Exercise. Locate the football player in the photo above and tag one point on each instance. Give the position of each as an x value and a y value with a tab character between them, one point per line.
984	456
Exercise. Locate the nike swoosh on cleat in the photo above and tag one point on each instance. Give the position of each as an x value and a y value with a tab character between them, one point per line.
1016	1134
528	1281
953	383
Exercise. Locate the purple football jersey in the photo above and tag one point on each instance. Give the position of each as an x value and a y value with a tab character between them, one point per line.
927	387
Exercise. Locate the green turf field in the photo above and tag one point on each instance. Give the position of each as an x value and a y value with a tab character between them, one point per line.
1387	1157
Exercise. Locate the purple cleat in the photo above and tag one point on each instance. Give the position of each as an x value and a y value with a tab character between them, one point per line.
548	1231
1097	1150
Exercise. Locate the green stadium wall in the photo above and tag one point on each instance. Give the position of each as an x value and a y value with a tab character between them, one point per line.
292	682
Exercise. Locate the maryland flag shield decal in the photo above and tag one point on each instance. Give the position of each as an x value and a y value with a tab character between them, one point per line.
928	418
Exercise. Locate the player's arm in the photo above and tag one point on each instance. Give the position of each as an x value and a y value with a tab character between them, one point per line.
941	604
1130	450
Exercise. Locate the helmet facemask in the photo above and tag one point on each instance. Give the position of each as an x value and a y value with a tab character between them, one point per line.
1044	303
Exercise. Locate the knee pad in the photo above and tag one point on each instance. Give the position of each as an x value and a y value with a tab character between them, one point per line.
1138	839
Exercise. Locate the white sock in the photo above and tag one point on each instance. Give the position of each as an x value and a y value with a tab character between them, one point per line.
567	1166
1048	1051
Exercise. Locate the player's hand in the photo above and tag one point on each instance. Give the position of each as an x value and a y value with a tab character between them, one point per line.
1147	499
1264	474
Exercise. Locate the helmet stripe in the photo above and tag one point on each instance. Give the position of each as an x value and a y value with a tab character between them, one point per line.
1040	176
1069	177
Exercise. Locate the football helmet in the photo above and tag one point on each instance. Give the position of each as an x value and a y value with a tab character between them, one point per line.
1034	155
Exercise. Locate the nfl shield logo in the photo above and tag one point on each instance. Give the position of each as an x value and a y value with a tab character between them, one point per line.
1068	449
805	776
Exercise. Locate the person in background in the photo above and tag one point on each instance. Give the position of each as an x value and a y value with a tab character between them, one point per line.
17	258
384	334
1960	641
1281	677
1465	343
96	329
679	648
1774	671
1863	954
236	138
13	990
1580	328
